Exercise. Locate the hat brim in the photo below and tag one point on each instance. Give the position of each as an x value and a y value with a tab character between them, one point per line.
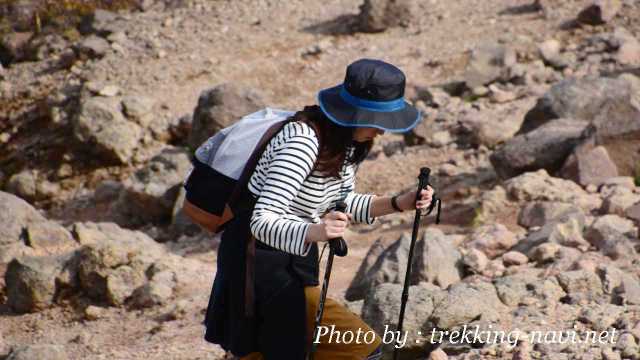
345	114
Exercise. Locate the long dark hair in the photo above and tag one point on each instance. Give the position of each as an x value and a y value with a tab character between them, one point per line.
334	141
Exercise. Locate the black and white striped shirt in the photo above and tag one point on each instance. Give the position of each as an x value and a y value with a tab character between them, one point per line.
288	201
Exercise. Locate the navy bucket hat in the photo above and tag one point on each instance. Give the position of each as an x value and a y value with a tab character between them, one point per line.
372	95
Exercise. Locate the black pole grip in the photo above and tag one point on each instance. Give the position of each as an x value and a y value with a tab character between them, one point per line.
338	245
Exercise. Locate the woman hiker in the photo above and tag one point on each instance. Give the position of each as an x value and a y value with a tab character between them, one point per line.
306	168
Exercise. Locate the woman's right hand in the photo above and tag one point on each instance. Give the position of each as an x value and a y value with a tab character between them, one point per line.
332	226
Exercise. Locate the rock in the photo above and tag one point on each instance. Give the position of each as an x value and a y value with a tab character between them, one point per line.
465	302
31	282
379	15
102	22
543	148
438	354
514	258
500	96
539	186
550	52
24	184
599	12
436	260
633	213
488	63
492	239
601	317
14	46
149	195
622	181
628	346
109	91
382	304
629	52
439	139
220	107
93	47
589	166
566	231
545	252
15	215
39	352
93	312
514	289
115	263
623	286
580	99
613	236
580	284
609	354
157	291
101	123
475	260
138	109
618	200
538	213
48	236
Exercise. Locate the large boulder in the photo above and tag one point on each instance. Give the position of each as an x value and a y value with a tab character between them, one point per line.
436	260
150	193
382	306
489	63
24	231
102	126
539	186
379	15
588	165
31	281
466	302
610	107
614	236
565	230
538	213
220	107
546	147
116	262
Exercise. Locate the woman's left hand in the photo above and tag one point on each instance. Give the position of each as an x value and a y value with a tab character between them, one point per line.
407	201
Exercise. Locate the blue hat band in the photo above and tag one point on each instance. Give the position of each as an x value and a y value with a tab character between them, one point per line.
382	106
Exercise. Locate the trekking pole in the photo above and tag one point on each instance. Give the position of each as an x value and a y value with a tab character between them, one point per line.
338	247
423	182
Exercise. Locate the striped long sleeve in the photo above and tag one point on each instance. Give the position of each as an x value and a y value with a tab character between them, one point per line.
272	221
359	205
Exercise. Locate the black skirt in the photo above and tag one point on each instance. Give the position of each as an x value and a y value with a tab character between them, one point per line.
278	328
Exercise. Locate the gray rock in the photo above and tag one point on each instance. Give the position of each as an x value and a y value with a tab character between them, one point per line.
475	260
220	107
539	186
623	286
514	258
633	213
39	352
589	166
538	213
15	46
138	109
101	123
581	284
157	291
15	215
613	236
563	231
600	317
382	306
24	184
599	12
93	47
465	302
628	346
492	239
379	15
546	147
103	23
618	200
438	260
579	99
31	282
150	194
488	63
48	236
